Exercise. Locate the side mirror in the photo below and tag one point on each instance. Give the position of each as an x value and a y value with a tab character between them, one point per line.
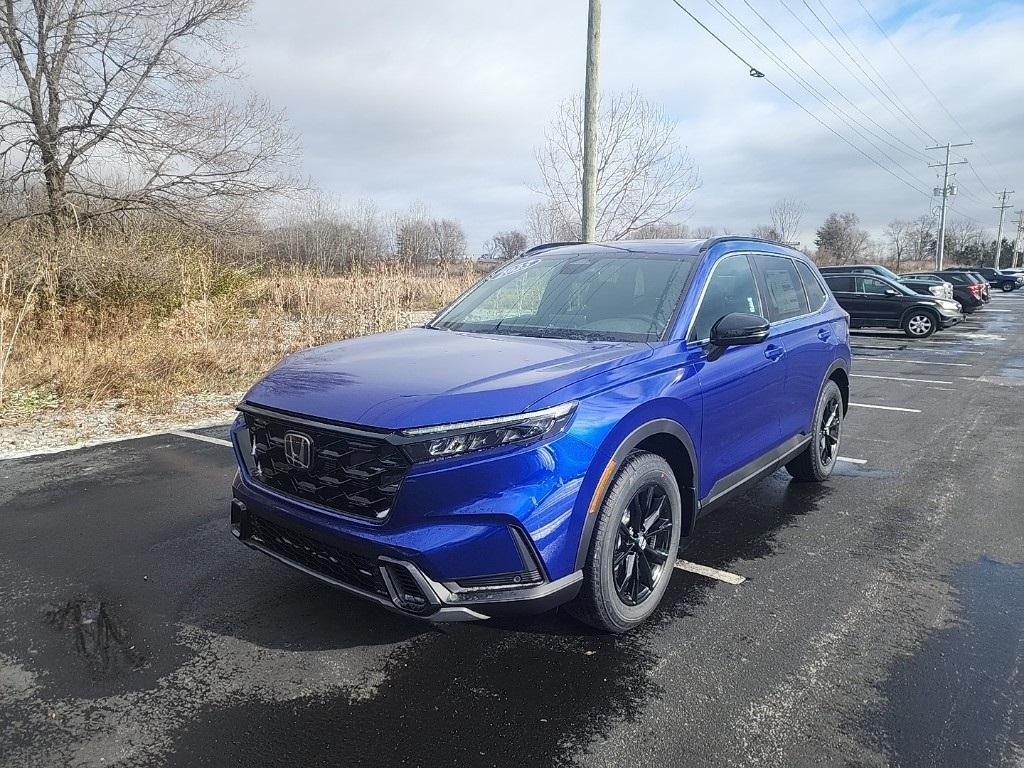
891	292
735	329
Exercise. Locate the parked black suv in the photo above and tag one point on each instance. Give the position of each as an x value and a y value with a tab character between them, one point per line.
878	302
966	290
934	287
1005	281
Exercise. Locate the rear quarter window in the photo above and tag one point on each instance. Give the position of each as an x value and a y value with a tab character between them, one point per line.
812	287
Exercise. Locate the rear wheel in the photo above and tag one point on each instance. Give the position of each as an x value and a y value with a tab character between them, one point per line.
920	324
634	546
816	462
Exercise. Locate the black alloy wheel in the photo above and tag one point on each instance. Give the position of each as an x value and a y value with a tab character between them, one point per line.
642	545
828	431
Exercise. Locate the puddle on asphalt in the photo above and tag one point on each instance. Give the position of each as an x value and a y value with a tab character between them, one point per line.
96	637
531	690
524	692
959	700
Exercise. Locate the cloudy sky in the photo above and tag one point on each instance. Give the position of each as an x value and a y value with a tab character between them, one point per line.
444	102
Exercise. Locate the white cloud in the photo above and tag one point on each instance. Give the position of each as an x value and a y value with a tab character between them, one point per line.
444	102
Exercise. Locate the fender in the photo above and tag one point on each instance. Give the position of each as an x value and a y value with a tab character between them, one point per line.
839	364
632	440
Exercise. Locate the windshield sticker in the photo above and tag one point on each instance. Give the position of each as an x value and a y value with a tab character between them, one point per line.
513	268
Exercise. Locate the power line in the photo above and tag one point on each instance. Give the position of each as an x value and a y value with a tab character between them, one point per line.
901	104
849	55
757	73
927	87
829	49
754	72
909	150
912	68
841	114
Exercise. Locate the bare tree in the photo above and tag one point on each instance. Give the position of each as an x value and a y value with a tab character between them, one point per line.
786	217
662	231
705	231
961	233
449	241
766	232
644	177
545	223
899	235
507	245
110	107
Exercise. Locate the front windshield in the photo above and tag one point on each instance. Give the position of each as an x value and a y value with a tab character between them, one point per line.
593	296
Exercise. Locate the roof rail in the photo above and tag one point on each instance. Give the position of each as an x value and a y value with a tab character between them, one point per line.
726	238
547	246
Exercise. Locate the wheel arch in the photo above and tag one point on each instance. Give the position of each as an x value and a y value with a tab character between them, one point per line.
837	372
665	438
921	308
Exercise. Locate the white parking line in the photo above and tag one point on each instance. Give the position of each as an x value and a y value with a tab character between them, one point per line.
898	378
874	358
884	407
1001	310
848	460
919	349
214	422
204	438
711	573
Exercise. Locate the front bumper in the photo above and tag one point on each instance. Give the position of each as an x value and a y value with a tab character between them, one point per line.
377	575
948	320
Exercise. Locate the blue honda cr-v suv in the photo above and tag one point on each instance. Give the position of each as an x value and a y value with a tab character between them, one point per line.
553	435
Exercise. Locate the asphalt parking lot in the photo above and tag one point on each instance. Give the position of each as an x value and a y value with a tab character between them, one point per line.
880	622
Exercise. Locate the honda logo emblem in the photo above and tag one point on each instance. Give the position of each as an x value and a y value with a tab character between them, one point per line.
298	449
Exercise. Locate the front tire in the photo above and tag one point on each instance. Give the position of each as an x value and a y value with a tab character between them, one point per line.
920	324
816	462
634	546
1007	287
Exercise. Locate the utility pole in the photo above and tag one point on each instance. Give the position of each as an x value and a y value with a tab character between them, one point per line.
590	123
1016	243
1002	212
947	191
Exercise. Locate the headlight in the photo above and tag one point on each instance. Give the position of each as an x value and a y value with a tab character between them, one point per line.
949	306
444	440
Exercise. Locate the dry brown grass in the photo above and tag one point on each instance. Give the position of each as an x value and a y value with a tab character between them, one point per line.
212	334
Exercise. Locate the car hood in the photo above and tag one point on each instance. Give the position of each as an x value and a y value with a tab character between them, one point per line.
422	376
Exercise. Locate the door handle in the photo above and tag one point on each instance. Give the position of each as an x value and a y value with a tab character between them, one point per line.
824	333
773	352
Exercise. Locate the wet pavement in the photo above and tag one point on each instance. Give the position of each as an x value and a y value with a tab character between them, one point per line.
881	621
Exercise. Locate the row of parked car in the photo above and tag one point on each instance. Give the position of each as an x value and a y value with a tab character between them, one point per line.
920	303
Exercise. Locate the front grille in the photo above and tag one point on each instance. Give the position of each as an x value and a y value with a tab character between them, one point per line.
351	472
346	567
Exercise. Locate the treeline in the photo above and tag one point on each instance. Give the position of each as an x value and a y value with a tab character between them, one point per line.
842	240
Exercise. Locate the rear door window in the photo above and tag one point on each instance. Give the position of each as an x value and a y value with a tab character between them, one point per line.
815	293
783	290
840	283
872	285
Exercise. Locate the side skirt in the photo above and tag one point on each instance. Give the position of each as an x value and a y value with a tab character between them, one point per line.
753	471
